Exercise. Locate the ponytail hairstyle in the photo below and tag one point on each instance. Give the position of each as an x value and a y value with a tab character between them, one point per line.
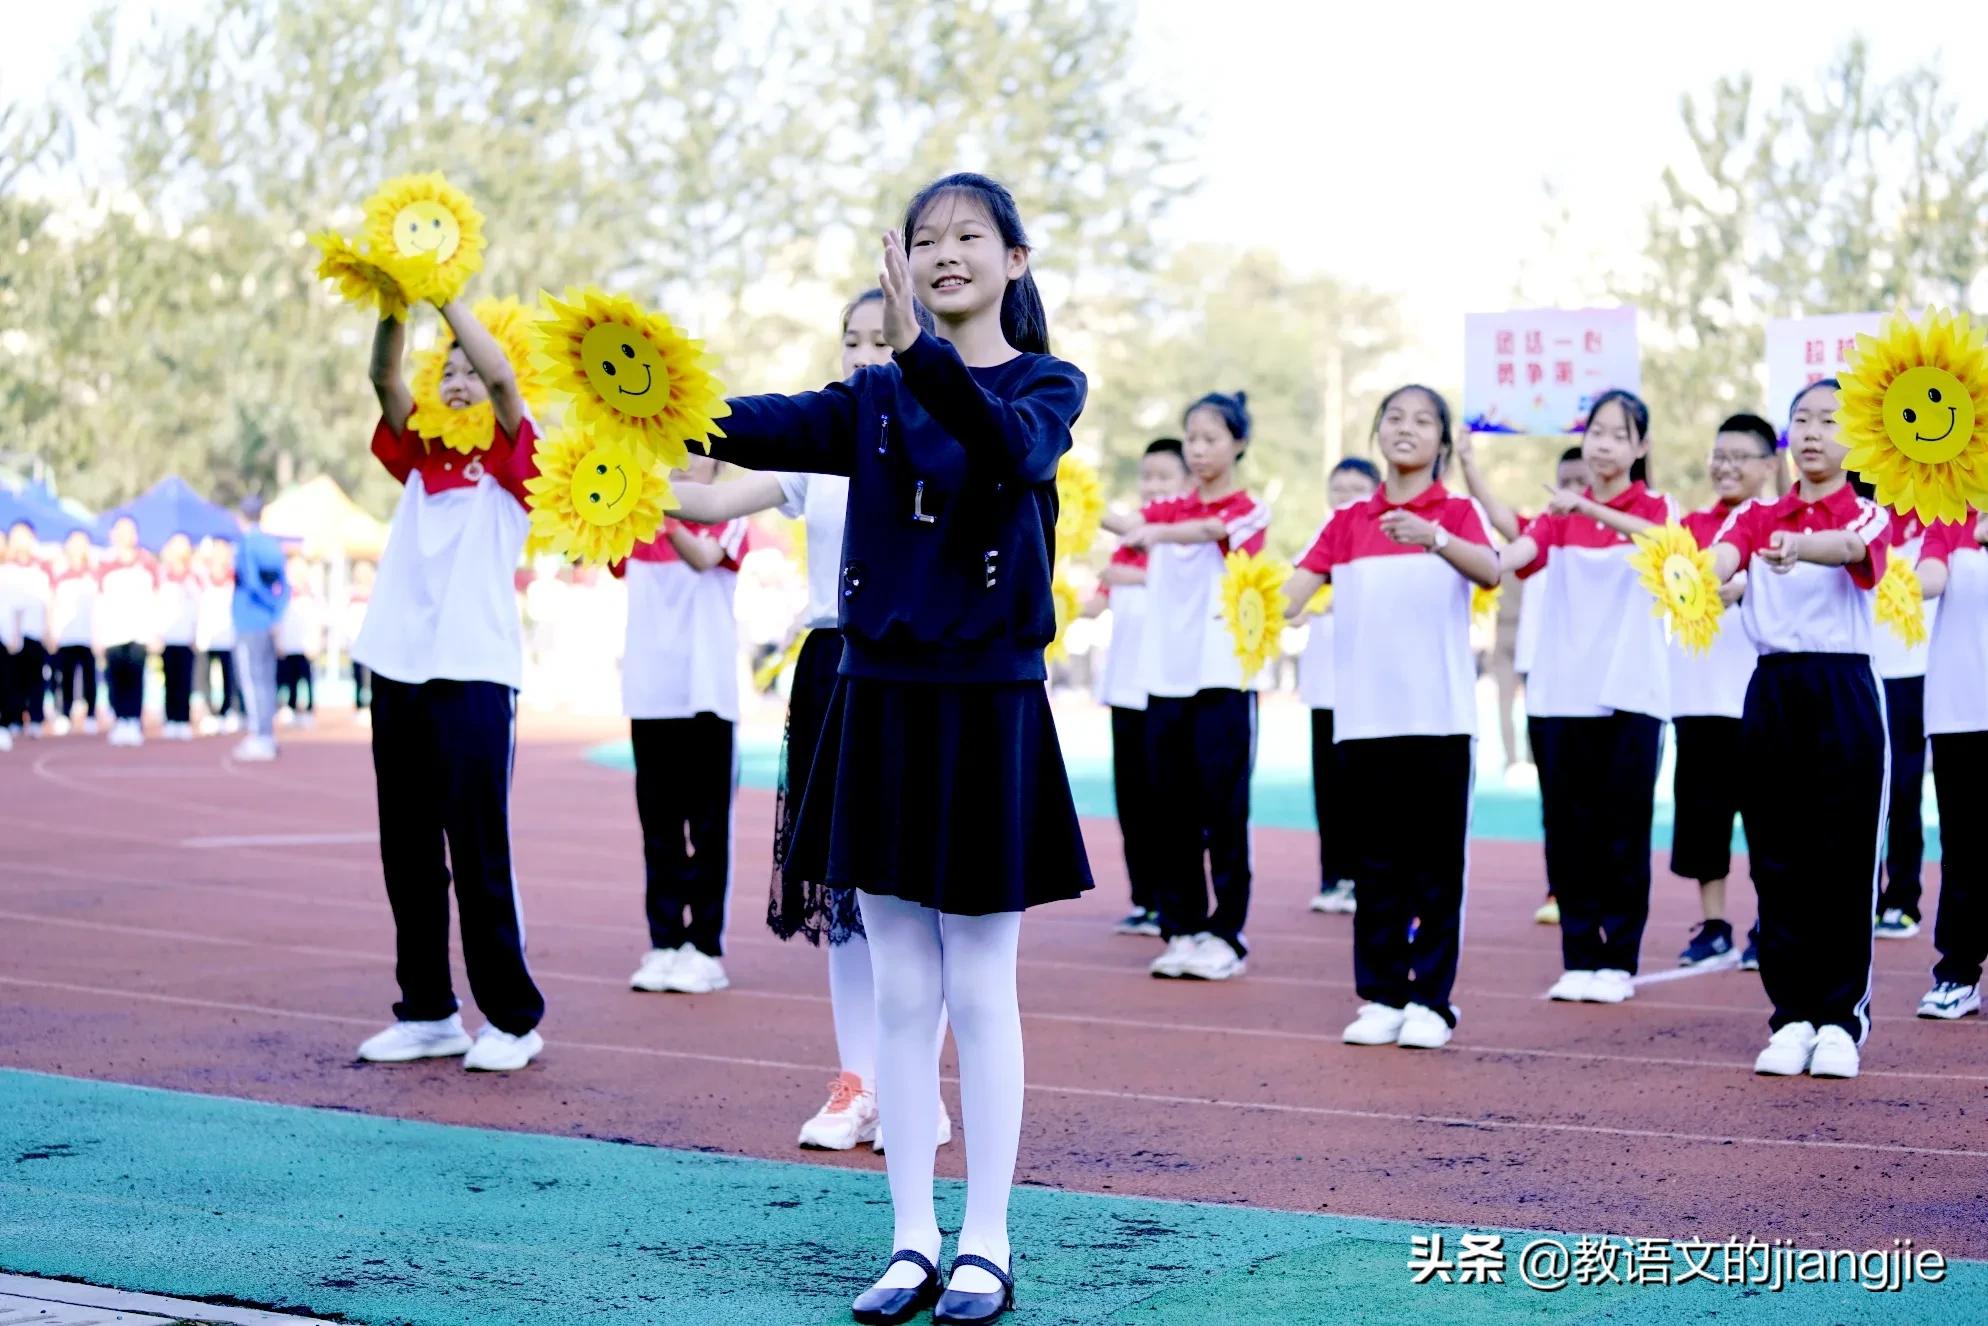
1231	409
1023	321
1447	445
1638	415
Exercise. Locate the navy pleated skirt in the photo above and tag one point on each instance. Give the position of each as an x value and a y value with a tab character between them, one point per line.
950	796
797	903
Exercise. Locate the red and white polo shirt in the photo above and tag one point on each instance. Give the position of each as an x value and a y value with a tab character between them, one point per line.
1599	651
1185	648
72	618
443	605
1713	684
1121	686
179	605
1890	655
681	656
1957	655
1808	609
1402	665
127	607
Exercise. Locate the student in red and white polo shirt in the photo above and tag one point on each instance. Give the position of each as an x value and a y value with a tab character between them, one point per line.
1162	475
1708	694
1401	565
1812	760
1953	566
443	643
180	589
127	619
73	634
680	690
1200	722
1600	691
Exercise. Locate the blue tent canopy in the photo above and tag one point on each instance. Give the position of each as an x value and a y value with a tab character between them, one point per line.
51	523
171	507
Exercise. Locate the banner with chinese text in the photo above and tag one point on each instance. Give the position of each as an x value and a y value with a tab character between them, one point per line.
1537	371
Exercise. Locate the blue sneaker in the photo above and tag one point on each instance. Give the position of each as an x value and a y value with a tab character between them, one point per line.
1712	942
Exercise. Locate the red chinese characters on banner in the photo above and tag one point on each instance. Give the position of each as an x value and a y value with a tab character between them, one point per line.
1505	341
1534	371
1591	343
1507	374
1563	371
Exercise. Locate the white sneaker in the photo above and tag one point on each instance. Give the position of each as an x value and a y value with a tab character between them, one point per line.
1423	1029
90	726
945	1131
847	1120
231	724
658	967
1611	986
1895	924
6	740
1573	987
1172	962
500	1052
209	726
59	726
697	973
1213	960
1377	1025
363	717
1835	1054
286	717
1788	1050
255	750
407	1041
1337	900
1950	1000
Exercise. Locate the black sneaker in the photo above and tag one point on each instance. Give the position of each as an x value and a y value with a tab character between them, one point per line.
1895	923
1140	922
1750	960
1712	943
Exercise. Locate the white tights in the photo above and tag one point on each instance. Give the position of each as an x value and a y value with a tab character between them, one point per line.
925	962
853	1000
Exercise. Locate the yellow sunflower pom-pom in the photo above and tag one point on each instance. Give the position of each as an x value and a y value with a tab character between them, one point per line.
427	233
1253	605
1321	600
594	500
360	280
1064	596
630	373
1679	574
1079	506
1484	602
470	428
1915	414
769	671
1900	603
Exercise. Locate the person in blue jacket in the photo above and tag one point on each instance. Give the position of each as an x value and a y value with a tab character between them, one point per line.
949	808
261	594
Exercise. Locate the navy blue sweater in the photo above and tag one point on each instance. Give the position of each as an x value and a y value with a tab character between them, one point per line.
951	533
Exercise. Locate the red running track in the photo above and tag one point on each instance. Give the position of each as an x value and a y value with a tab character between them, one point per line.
133	949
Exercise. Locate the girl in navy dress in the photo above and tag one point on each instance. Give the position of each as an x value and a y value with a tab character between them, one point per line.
1402	562
946	804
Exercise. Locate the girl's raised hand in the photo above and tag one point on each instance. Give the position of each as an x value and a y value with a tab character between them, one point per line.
900	305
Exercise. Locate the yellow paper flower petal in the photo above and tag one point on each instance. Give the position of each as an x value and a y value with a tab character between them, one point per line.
1914	414
1900	603
1064	596
427	233
593	501
360	280
1679	575
1484	602
470	428
1079	506
769	671
1320	601
1253	605
596	347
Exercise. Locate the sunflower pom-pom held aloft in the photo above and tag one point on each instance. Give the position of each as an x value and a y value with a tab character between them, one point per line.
594	500
1253	605
469	429
1079	506
630	374
1915	415
1679	575
360	280
427	233
1900	603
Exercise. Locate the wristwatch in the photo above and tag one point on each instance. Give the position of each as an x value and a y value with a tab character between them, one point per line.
1442	540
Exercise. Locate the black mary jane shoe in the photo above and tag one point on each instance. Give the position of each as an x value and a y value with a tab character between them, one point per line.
887	1307
960	1308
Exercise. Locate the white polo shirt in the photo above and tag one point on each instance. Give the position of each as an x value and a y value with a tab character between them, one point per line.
1808	609
127	602
1402	664
1957	656
445	604
73	614
821	503
1600	650
179	606
1121	685
1185	648
681	654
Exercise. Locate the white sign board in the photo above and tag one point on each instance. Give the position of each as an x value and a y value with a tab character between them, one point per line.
1805	350
1537	372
